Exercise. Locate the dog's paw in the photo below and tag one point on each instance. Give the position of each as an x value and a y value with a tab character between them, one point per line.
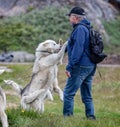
49	95
66	43
61	96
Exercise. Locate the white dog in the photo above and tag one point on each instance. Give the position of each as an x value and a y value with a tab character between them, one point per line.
48	55
3	115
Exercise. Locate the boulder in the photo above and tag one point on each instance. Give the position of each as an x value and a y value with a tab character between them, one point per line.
22	56
4	69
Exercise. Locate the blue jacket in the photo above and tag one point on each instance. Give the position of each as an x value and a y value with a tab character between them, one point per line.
78	45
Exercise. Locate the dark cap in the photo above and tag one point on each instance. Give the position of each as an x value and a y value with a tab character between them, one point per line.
77	10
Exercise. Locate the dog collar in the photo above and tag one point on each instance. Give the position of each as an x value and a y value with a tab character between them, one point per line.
43	51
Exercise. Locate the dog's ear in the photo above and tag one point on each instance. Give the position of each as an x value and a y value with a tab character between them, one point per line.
46	44
60	41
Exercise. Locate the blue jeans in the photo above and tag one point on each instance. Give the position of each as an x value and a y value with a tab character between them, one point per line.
81	77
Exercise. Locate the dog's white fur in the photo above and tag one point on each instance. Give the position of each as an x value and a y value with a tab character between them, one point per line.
3	115
48	55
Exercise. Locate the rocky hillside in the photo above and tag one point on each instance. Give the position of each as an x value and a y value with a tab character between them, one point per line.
96	9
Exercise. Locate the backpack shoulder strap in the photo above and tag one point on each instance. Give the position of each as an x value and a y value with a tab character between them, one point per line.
88	27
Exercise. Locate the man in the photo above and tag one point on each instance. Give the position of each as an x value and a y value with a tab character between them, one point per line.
80	69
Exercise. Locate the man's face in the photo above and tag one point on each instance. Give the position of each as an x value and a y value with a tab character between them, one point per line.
73	19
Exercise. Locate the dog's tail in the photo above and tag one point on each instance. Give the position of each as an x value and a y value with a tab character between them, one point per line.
18	88
3	115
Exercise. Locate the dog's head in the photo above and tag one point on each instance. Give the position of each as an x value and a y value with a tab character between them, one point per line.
49	46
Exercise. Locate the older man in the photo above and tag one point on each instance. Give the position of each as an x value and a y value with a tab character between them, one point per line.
80	68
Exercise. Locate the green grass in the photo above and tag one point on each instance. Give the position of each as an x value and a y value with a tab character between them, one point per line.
33	119
113	30
106	98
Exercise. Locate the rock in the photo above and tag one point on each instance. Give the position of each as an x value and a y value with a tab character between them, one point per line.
98	8
22	56
4	69
16	11
115	3
6	57
2	14
112	59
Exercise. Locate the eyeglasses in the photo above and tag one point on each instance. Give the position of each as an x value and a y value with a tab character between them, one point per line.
72	15
75	15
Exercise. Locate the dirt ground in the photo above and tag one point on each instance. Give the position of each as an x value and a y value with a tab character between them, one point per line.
110	59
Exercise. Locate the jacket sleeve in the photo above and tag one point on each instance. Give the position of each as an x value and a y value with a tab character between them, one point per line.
78	48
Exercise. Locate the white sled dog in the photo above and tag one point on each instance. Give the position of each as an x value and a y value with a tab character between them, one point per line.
44	76
3	115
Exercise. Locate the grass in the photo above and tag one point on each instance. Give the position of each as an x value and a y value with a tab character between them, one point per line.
106	97
113	28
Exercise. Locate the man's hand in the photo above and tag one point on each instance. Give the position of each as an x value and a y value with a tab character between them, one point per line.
68	74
